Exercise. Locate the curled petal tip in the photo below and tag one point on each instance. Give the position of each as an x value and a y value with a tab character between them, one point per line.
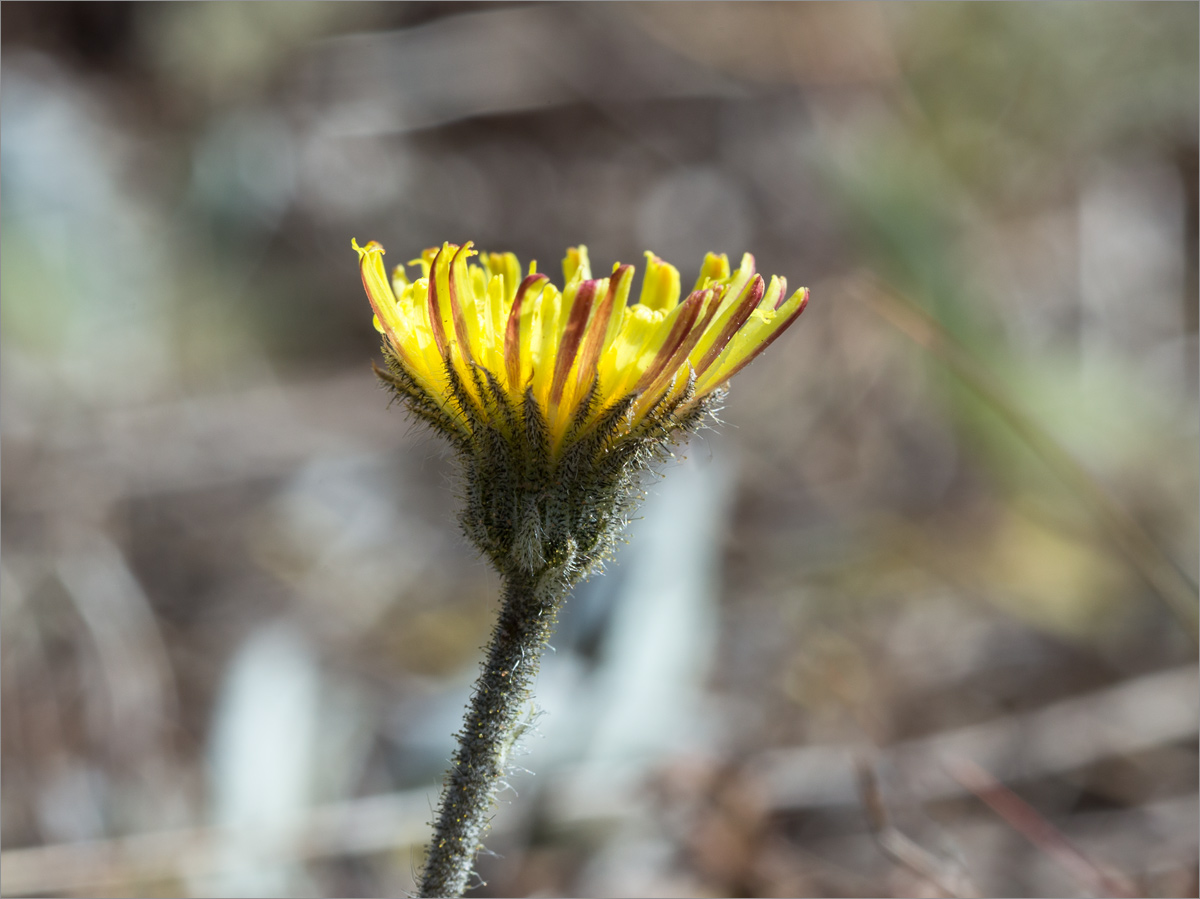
371	247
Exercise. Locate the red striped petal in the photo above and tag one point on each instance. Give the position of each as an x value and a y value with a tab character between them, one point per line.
572	336
766	343
435	309
593	343
749	301
689	311
456	310
512	333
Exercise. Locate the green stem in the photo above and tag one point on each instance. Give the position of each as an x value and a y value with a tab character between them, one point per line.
491	727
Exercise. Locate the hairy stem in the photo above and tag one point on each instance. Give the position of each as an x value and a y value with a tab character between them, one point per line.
530	605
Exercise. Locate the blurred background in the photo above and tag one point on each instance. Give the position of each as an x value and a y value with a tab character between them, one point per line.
918	620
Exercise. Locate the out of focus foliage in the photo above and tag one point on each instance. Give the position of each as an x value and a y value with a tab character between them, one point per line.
952	514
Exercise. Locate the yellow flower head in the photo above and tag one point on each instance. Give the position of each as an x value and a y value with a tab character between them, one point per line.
479	341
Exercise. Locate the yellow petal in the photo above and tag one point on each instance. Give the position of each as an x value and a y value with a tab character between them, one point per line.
714	269
660	286
575	265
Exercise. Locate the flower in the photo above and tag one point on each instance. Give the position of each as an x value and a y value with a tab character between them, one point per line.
556	401
475	341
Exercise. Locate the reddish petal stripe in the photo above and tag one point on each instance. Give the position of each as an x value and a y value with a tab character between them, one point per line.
748	303
593	343
512	333
572	336
689	311
693	336
435	309
783	296
714	303
771	339
710	302
456	311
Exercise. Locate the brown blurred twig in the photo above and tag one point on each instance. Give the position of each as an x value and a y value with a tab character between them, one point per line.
946	874
383	823
1133	716
1024	819
1164	576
